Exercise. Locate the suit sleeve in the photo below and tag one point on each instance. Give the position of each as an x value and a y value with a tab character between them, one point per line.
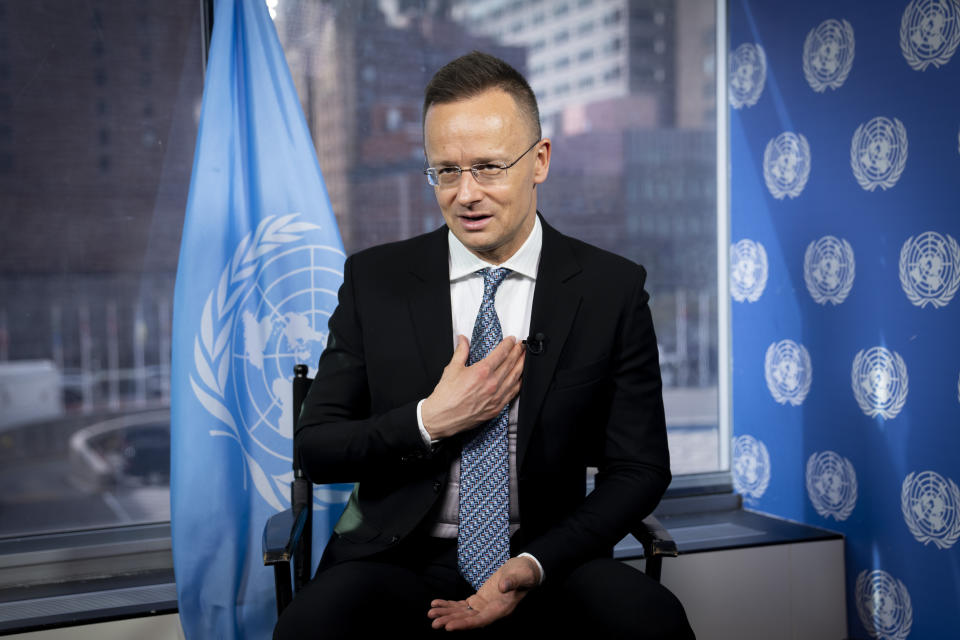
337	437
633	464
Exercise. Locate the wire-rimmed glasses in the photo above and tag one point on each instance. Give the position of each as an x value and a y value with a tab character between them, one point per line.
483	173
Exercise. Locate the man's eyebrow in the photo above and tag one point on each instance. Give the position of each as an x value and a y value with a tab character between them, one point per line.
488	160
493	158
498	156
475	161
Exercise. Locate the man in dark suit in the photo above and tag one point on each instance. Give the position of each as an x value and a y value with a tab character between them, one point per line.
470	454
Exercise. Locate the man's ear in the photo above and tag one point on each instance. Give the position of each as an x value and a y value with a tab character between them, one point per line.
541	165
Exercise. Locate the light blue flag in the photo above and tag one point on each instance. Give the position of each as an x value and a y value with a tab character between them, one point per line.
260	264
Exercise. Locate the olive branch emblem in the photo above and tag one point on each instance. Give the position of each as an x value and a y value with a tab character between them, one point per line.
926	244
947	491
210	346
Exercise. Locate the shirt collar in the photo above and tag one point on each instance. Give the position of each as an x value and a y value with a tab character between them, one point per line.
524	262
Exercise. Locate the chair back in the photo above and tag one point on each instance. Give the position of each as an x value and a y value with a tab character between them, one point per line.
301	489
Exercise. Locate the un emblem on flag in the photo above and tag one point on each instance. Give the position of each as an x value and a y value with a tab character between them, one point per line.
267	312
883	605
880	382
748	270
829	269
748	73
786	165
828	55
751	466
788	371
930	504
929	32
878	153
831	485
930	269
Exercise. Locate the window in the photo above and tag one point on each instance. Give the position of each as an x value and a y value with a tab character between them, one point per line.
612	46
637	199
92	197
613	17
642	44
92	207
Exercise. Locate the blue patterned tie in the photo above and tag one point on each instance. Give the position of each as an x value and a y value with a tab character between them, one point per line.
483	538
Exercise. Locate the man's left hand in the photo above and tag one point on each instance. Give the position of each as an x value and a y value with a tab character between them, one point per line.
497	598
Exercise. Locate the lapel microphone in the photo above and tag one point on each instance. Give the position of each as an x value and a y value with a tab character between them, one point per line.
536	343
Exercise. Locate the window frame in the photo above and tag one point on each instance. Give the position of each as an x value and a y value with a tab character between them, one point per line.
720	481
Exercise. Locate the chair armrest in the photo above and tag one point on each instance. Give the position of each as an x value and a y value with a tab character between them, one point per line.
656	540
281	535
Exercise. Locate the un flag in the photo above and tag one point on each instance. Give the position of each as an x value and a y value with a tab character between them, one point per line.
260	264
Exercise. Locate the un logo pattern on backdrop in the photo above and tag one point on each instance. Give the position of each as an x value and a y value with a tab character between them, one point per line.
748	73
751	466
930	505
880	382
929	274
831	485
829	269
878	153
748	270
786	165
930	269
883	604
828	55
929	32
788	371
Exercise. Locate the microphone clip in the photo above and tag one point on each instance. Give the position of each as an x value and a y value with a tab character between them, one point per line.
536	343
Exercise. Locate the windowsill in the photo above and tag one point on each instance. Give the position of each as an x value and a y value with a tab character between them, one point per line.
64	579
716	522
86	602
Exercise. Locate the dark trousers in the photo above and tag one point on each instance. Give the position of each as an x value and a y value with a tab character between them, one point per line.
390	593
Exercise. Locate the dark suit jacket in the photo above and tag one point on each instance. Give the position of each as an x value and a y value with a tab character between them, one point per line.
592	398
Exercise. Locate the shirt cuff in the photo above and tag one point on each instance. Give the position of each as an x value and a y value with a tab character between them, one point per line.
423	430
536	562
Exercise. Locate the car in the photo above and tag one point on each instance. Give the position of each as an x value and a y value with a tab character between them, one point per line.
131	450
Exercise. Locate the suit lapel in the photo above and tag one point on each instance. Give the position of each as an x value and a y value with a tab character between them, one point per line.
555	305
429	302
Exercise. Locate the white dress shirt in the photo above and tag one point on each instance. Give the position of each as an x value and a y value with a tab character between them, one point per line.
514	305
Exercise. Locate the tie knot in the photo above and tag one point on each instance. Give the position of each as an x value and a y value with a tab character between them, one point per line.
492	278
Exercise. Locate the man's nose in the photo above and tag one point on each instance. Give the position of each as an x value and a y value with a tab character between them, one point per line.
468	191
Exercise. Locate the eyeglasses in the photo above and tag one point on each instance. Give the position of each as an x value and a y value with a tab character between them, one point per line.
483	173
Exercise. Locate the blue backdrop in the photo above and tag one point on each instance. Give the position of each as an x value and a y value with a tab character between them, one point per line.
845	266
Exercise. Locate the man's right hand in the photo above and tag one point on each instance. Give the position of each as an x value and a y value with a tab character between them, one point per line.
466	396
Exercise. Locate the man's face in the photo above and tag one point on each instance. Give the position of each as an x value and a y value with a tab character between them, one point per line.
492	219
